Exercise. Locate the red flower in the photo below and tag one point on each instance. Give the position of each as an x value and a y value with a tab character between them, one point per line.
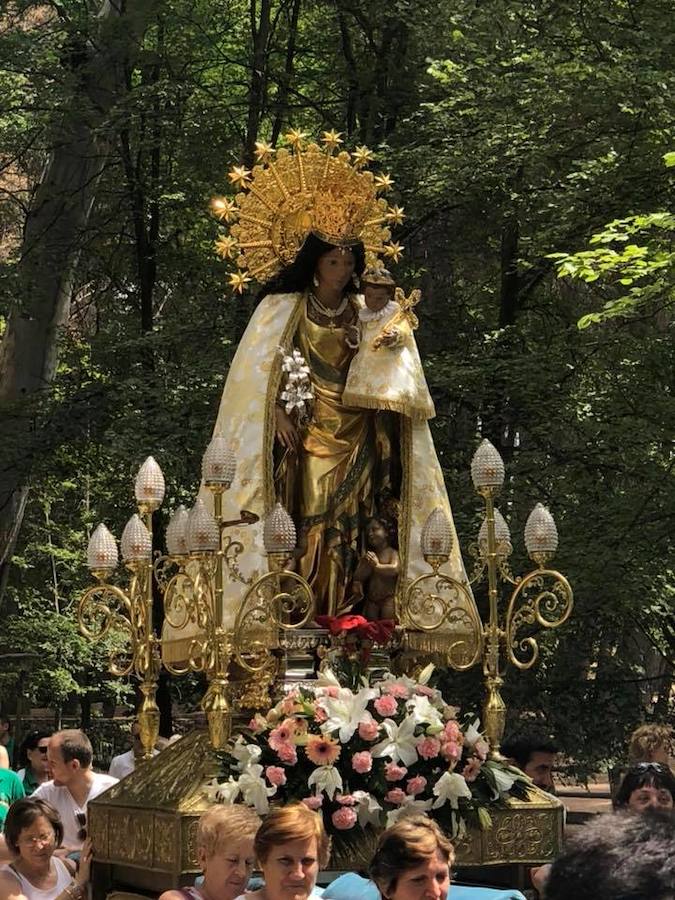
338	624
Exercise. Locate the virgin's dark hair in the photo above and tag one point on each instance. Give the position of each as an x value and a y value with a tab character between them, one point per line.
22	813
30	742
641	775
298	276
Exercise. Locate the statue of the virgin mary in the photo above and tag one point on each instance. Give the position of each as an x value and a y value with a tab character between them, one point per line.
305	224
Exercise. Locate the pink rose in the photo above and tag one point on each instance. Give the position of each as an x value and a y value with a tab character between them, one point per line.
258	723
471	769
362	762
368	731
450	750
428	747
386	706
346	799
331	691
416	785
275	775
313	802
481	748
392	772
452	732
287	754
344	818
320	714
396	689
395	795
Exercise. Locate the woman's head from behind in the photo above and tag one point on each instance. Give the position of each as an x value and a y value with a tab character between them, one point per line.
646	786
651	743
412	861
291	846
33	829
225	836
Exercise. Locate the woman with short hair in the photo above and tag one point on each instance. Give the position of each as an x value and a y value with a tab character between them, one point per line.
34	758
412	861
291	847
33	831
225	854
645	786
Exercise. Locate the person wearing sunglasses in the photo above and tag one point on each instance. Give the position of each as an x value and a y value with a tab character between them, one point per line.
73	784
33	833
646	786
34	755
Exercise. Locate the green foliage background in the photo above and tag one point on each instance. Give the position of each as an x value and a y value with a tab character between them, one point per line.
514	131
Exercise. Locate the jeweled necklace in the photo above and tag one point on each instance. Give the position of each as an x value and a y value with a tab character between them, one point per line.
330	314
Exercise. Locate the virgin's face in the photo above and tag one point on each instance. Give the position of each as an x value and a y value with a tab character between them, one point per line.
290	870
650	797
376	535
335	268
430	881
37	842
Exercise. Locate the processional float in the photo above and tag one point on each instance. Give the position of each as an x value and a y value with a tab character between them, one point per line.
253	634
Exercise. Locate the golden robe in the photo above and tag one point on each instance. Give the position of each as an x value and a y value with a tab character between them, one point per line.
247	418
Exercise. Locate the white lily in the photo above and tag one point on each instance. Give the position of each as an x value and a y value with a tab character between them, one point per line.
227	792
422	710
327	678
399	743
326	779
409	807
426	674
503	778
369	810
449	788
472	734
254	789
346	711
245	754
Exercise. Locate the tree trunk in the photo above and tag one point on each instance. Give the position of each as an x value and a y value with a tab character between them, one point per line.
52	240
260	32
285	82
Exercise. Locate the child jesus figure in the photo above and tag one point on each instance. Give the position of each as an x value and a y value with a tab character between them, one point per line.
386	372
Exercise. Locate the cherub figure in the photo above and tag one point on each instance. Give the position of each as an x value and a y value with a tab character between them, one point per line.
374	582
386	372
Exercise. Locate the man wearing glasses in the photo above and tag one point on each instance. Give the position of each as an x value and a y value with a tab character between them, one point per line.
73	784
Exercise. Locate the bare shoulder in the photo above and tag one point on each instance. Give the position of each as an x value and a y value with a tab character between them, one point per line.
10	886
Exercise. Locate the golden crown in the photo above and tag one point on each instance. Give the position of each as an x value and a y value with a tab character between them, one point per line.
299	190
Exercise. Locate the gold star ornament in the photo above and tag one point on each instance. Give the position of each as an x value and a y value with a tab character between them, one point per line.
226	247
240	176
362	156
238	281
393	250
223	209
263	151
383	182
395	215
331	140
295	138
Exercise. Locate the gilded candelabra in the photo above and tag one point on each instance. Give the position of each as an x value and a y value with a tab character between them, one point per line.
436	602
190	579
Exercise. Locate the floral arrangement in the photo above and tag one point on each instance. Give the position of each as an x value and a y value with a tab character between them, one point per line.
366	757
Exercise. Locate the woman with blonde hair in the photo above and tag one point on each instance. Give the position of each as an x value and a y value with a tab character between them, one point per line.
412	861
225	853
651	743
291	847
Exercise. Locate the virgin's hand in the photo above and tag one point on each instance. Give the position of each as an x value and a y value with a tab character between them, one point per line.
372	559
286	432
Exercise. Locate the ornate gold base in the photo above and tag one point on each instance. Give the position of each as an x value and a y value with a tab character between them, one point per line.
144	827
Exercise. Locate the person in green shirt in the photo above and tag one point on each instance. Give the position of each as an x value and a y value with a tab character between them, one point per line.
11	789
33	755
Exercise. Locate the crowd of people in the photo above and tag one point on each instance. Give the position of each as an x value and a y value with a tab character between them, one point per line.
45	853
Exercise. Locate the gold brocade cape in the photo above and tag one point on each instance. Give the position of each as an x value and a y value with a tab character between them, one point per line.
247	419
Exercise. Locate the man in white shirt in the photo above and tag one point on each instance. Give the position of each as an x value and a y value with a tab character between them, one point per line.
125	763
73	784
